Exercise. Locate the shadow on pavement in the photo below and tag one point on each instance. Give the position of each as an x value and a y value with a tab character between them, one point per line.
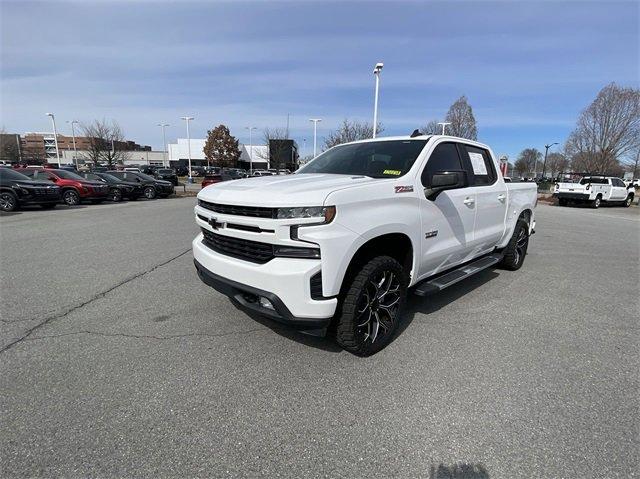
415	304
461	470
431	304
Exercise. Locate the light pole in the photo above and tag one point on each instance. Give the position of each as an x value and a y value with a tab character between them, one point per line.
444	125
164	144
73	135
376	72
188	119
55	137
250	128
544	164
315	133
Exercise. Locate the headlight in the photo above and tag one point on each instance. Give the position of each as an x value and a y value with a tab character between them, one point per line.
326	212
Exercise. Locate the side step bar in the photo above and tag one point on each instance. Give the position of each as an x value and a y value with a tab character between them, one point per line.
438	283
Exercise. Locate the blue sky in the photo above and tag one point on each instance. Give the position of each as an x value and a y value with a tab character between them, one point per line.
528	68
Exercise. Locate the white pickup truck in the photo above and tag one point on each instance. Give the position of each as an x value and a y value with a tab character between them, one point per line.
595	190
338	245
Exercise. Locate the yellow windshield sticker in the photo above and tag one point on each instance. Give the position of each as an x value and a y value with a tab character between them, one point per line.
391	172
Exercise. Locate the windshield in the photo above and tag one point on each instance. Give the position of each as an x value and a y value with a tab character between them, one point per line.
7	174
165	172
376	159
67	174
145	177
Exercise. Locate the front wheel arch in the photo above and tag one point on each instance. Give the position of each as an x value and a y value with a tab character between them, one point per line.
396	245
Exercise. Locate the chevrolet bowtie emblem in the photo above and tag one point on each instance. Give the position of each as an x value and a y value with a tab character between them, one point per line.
214	224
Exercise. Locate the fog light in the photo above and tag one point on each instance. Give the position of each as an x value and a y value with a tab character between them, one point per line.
265	303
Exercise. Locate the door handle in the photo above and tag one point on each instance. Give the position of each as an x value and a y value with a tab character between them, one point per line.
469	201
502	198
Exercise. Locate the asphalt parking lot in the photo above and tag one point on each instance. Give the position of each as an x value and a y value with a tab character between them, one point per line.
117	361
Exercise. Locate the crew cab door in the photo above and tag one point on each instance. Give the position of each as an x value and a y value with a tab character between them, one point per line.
446	219
618	189
491	197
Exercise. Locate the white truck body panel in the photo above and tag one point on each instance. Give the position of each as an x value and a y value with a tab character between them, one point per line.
457	226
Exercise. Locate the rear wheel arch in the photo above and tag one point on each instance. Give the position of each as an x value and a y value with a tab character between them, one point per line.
526	215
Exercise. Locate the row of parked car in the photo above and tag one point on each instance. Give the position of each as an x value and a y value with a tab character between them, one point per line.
49	187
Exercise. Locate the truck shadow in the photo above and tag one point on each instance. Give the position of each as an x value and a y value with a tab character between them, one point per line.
415	305
325	343
430	304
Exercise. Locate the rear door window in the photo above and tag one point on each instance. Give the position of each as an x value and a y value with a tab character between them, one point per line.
483	171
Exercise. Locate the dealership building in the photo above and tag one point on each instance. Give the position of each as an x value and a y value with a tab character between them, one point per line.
256	155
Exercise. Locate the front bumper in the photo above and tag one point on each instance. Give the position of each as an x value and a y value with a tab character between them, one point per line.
285	282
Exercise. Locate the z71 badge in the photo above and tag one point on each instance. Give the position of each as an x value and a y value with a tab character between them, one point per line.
404	189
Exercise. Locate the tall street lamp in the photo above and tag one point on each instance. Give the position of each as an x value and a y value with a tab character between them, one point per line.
444	124
73	135
376	72
55	137
250	128
164	144
544	164
188	119
315	133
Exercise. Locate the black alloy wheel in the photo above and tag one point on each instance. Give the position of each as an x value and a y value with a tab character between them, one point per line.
516	250
116	195
372	307
71	197
149	192
8	201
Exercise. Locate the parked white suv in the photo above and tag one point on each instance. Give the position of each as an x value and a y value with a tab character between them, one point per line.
344	238
595	190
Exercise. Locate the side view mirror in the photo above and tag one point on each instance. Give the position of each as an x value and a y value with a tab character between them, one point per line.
445	180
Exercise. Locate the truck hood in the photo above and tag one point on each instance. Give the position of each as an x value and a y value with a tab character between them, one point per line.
281	190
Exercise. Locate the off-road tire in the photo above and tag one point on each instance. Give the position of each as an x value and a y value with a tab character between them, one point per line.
348	334
595	204
628	201
515	251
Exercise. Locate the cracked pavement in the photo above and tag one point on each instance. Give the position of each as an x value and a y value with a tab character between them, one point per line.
117	361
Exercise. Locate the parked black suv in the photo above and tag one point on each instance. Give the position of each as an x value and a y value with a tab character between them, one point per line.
18	190
118	189
151	187
167	174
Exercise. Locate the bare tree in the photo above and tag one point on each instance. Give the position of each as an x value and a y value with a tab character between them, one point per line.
463	123
351	130
107	143
607	132
431	128
528	161
557	163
